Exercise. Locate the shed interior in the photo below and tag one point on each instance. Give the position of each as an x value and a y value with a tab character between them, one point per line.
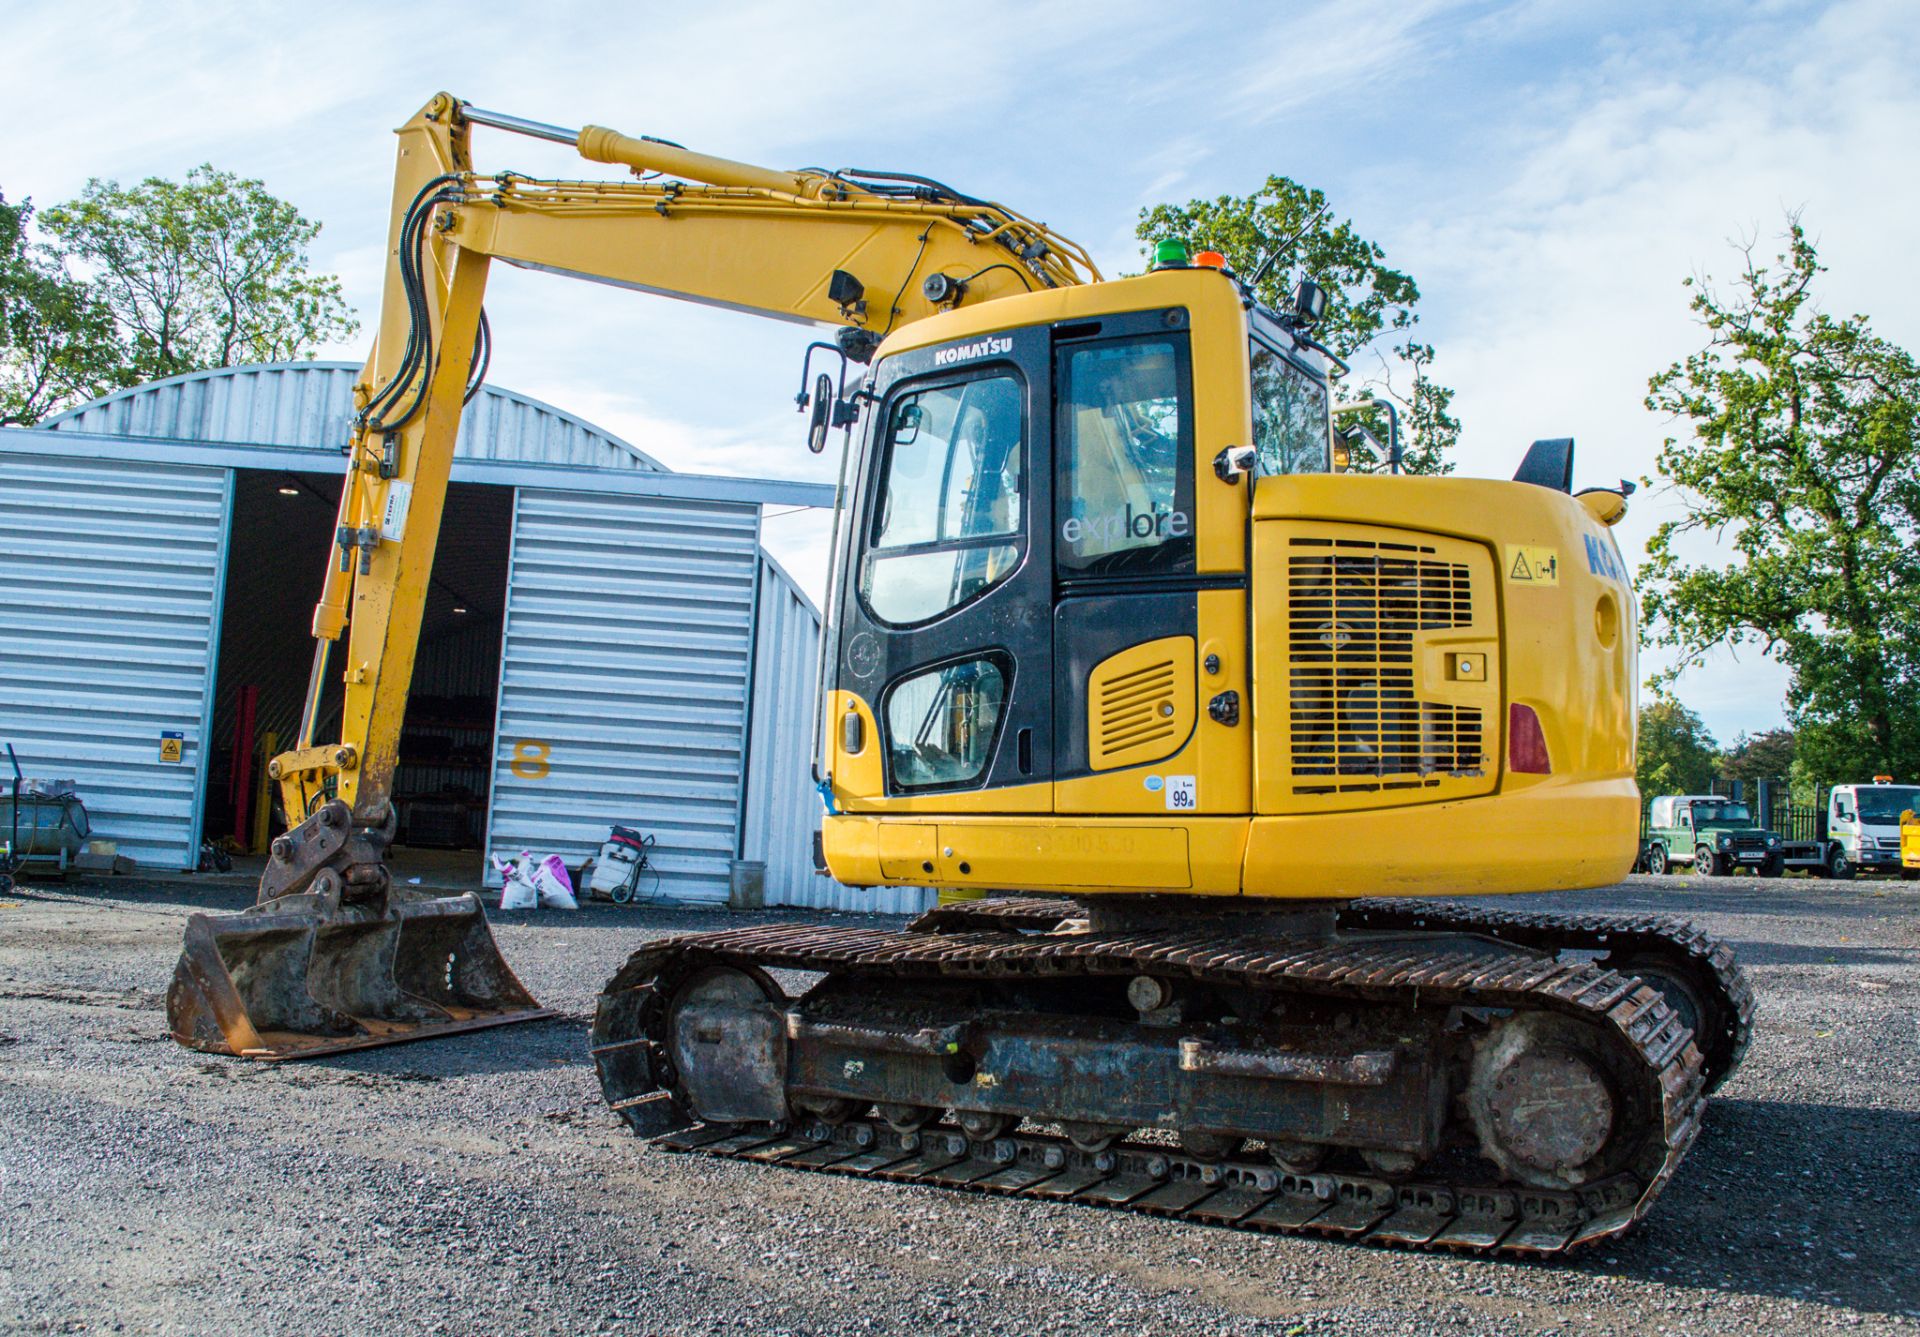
282	535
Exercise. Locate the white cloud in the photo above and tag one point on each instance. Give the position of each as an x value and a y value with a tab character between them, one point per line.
1552	258
1310	56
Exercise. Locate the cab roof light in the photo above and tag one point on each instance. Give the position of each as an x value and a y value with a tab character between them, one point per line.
1170	253
1210	260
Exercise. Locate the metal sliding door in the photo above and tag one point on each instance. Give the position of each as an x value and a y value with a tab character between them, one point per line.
111	574
625	671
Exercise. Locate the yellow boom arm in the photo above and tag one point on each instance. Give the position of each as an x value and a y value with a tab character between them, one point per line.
863	251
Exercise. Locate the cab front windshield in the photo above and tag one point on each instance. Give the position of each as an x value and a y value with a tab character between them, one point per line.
1883	806
1722	814
1290	426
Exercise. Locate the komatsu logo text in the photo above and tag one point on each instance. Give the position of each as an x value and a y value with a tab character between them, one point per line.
946	357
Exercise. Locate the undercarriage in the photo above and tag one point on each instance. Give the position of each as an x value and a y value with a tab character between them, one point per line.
1418	1074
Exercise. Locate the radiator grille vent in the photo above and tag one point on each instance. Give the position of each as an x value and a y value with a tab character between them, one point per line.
1136	710
1354	606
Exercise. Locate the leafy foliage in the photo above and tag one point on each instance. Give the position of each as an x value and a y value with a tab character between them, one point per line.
1676	754
1767	755
57	341
1803	459
1370	316
208	272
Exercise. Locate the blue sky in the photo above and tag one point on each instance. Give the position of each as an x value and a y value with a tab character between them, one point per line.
1548	171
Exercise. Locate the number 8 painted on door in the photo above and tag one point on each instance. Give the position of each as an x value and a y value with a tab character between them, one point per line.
530	759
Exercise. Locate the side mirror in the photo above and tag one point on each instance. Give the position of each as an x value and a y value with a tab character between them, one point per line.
822	410
1358	435
906	427
1608	505
1355	440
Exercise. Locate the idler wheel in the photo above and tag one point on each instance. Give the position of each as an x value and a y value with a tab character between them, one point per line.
1542	1101
727	1046
1675	986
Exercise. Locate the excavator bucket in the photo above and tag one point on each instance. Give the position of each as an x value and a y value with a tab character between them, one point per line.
323	970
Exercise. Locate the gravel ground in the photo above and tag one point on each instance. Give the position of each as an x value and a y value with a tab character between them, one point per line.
477	1185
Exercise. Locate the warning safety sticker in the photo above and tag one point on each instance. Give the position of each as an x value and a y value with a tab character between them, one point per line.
1528	565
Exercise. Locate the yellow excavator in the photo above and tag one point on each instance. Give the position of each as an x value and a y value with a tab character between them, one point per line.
1192	723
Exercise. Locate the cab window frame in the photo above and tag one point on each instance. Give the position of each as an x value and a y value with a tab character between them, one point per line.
1003	666
1018	537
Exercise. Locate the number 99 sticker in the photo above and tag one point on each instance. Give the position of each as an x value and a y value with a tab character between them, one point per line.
1183	793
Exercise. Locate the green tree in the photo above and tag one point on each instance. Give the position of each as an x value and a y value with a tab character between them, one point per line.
1371	308
1802	462
57	340
208	272
1767	755
1676	754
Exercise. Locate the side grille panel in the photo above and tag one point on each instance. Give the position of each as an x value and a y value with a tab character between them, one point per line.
1375	627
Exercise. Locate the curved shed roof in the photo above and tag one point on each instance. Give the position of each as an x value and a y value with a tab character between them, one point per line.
309	406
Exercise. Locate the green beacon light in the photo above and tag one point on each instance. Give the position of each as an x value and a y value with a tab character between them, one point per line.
1170	254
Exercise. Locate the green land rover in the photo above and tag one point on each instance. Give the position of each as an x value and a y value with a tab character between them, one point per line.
1716	835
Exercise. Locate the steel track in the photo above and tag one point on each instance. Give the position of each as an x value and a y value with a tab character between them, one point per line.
1423	970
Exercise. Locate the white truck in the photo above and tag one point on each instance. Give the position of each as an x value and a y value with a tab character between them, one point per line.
1863	827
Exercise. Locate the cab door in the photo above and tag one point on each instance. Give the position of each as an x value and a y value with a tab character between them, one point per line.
943	680
1149	622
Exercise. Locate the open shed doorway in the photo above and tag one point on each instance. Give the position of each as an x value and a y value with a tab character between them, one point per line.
281	539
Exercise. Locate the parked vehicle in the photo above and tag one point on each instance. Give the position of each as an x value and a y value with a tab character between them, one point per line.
1712	834
1863	827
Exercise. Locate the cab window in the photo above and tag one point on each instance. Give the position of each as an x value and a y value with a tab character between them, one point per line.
941	723
948	517
1126	458
1290	423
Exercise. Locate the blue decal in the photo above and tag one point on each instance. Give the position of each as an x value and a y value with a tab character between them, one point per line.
1603	559
1155	784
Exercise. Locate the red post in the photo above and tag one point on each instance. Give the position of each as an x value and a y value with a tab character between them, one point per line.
240	787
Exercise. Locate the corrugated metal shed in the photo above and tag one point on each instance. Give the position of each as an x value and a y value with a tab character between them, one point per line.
110	583
308	404
783	806
623	687
627	648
